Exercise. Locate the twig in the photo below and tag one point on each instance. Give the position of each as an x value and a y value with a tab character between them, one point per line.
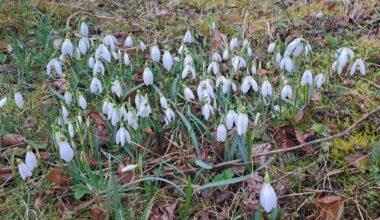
343	133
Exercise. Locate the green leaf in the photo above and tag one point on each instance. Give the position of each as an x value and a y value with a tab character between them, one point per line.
375	155
243	150
190	130
80	191
319	128
203	164
225	175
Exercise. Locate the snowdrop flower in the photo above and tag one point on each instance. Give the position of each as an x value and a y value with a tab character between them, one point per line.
319	80
216	57
348	52
30	159
163	101
222	80
132	119
207	109
249	52
70	128
123	112
116	88
96	85
142	46
268	198
189	69
286	92
278	58
238	63
110	41
188	38
286	63
64	112
167	60
148	76
83	29
181	49
24	170
155	53
138	99
234	44
253	69
65	151
91	62
129	168
128	41
103	52
19	100
68	97
248	83
213	26
122	136
276	108
205	89
115	55
126	59
98	68
231	118
188	59
57	66
307	78
83	45
188	94
3	101
242	121
266	88
169	116
115	115
226	54
271	47
144	109
360	63
221	132
245	43
214	67
67	48
295	45
82	102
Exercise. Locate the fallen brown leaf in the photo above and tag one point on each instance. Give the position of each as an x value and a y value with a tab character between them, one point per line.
264	148
6	174
97	213
97	119
12	140
359	160
56	177
330	208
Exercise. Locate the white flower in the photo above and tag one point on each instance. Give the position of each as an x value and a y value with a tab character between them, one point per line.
188	94
266	88
231	118
115	55
68	97
225	84
292	46
57	66
110	41
19	100
188	60
216	57
234	44
115	115
287	63
268	198
126	59
189	69
342	60
144	109
148	76
207	110
213	26
65	151
67	48
142	46
24	170
82	102
253	69
122	136
278	58
123	113
221	133
3	101
96	85
242	122
319	80
238	63
181	49
188	38
245	43
276	108
214	67
286	92
129	168
83	45
163	102
307	78
155	53
98	68
128	41
31	160
249	52
360	63
70	127
167	60
91	62
249	82
102	52
64	112
226	54
116	88
132	119
84	29
138	99
271	47
205	89
169	116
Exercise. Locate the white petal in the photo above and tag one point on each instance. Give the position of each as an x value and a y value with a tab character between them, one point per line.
24	171
148	76
268	198
65	151
221	133
3	101
19	100
31	160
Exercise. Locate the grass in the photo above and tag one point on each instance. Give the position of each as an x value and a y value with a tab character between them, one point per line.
176	163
